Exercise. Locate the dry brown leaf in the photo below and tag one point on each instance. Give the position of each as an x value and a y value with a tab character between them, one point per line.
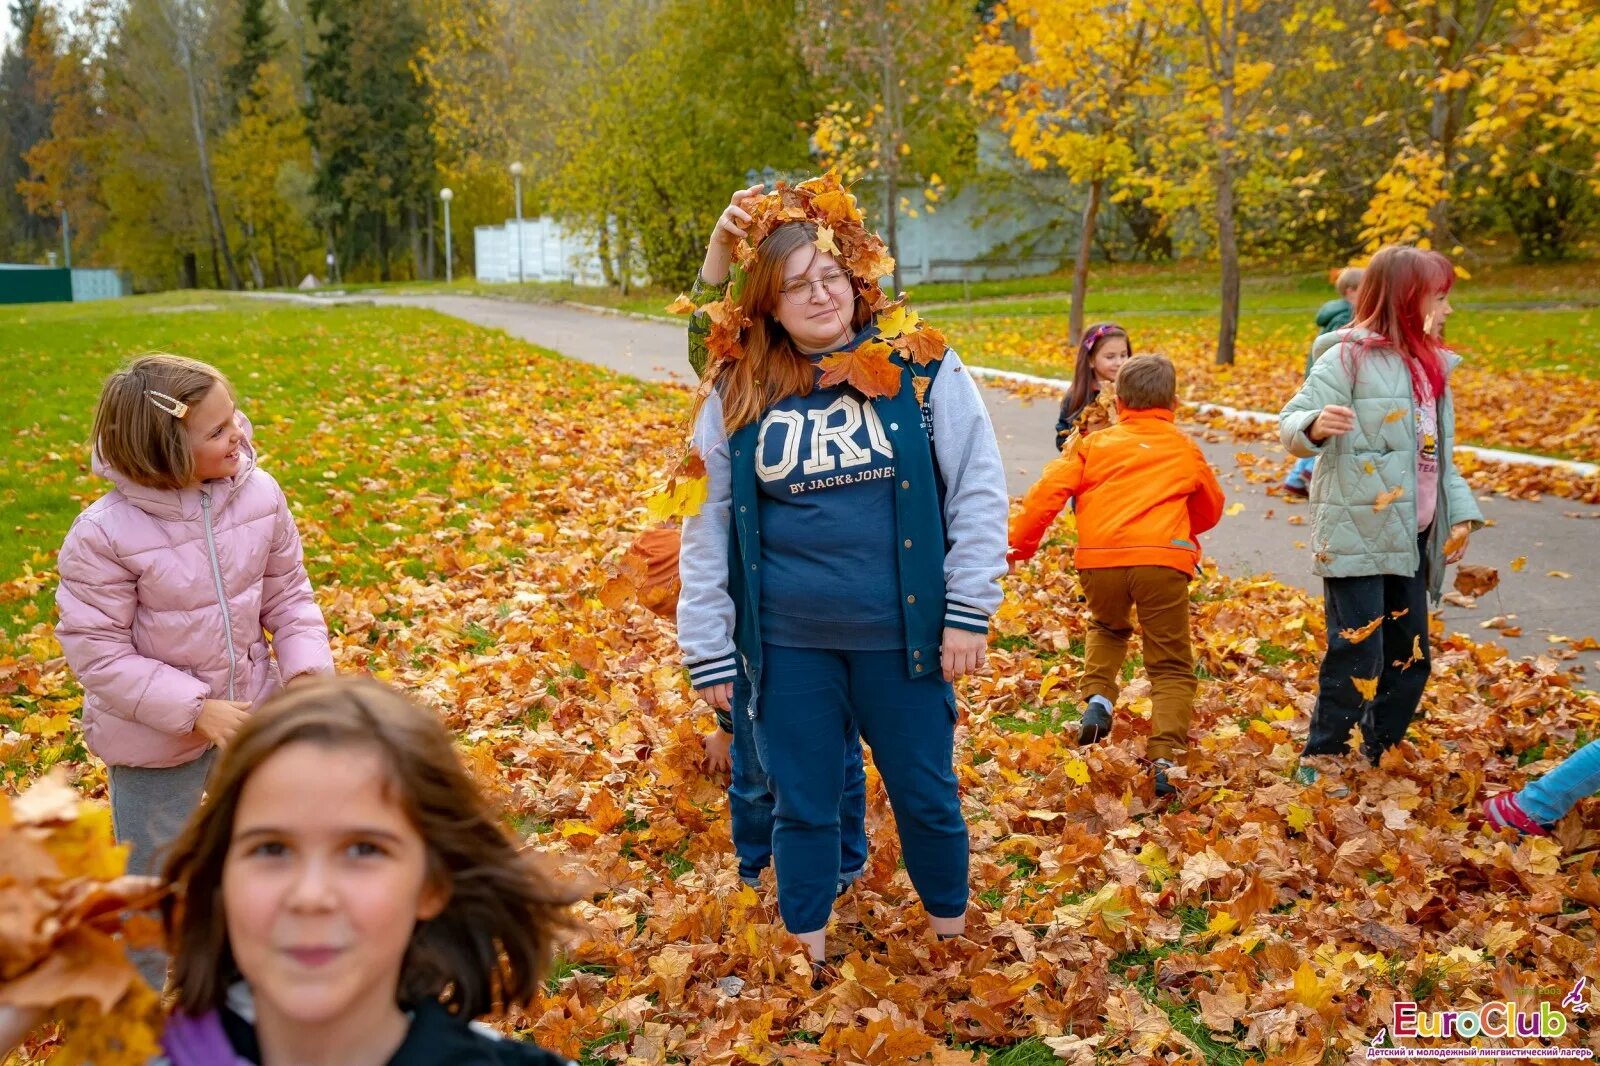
1476	581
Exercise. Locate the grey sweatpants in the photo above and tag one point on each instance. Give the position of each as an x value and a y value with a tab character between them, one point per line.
149	806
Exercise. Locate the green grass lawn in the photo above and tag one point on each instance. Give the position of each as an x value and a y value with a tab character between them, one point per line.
1559	340
362	410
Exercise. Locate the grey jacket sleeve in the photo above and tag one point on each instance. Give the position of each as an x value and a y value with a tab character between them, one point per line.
705	609
975	504
1328	384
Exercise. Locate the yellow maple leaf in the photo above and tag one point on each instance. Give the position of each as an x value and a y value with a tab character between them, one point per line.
1154	859
1078	770
1309	989
896	321
1367	686
1299	817
1519	564
681	306
824	242
86	847
1234	509
1222	923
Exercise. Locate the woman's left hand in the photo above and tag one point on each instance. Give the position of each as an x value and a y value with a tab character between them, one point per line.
961	652
1456	546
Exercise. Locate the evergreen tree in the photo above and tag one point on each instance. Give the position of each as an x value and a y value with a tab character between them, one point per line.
24	122
371	125
257	47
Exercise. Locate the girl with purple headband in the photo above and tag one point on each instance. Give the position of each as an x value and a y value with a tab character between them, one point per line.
1101	353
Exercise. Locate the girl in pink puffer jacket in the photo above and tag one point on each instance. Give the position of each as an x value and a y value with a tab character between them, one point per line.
170	584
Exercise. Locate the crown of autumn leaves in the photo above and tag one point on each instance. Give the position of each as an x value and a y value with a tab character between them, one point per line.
827	204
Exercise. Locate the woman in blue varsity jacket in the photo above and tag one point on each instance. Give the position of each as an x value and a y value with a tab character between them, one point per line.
848	554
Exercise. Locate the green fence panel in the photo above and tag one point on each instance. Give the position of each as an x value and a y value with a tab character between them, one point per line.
28	285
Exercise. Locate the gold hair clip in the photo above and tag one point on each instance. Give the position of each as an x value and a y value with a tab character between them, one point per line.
178	408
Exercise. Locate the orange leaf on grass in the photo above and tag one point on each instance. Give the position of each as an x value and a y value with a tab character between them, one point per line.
867	369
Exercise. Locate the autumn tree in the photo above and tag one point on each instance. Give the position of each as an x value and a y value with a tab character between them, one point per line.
892	116
186	24
64	167
1534	119
637	133
369	121
476	80
264	171
1065	81
25	106
1440	48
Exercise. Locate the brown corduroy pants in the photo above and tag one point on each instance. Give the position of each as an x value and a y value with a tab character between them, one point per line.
1160	596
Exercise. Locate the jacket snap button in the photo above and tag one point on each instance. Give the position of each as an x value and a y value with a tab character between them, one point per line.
908	542
905	484
894	425
916	655
919	668
911	599
736	451
741	508
752	566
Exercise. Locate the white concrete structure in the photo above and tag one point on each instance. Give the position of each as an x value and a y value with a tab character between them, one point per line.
549	253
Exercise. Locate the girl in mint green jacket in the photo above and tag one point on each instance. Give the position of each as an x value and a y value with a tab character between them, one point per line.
1389	509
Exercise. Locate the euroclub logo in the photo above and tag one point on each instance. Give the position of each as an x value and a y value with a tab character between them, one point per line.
1498	1019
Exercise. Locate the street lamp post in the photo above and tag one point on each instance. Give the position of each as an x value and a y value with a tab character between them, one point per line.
66	235
516	178
449	273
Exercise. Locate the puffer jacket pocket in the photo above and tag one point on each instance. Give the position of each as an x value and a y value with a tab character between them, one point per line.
264	676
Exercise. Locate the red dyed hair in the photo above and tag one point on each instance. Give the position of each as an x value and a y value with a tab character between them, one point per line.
1390	304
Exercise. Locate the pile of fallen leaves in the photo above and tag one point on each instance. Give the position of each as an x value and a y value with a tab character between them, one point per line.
1254	919
1546	412
66	901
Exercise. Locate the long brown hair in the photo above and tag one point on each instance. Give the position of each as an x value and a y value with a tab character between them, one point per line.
1389	304
490	946
772	369
1083	378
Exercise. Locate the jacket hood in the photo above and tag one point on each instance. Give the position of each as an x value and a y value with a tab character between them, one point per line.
1357	333
182	504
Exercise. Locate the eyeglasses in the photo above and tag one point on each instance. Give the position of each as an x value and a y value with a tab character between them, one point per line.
834	283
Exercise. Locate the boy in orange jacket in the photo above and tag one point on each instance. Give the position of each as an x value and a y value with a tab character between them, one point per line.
1145	493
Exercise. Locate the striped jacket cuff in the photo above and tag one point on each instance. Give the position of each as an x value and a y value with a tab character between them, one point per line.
713	671
958	615
725	721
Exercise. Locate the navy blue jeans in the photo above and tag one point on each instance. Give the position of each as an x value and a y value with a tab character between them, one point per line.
750	800
812	700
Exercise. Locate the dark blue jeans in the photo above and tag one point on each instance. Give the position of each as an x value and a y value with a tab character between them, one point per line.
812	702
750	798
